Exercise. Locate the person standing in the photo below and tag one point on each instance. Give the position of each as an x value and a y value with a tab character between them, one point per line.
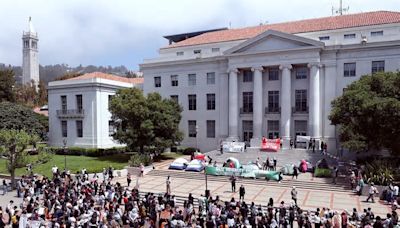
242	191
291	144
371	192
233	183
4	187
128	178
335	172
294	195
395	193
275	162
313	146
295	172
168	183
141	169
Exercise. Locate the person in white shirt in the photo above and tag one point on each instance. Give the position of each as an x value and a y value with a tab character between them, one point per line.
395	193
371	192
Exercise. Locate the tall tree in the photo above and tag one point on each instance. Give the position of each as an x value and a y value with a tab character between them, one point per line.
13	144
26	94
145	121
19	117
7	82
42	94
368	113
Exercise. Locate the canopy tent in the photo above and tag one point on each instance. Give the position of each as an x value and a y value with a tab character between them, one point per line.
195	165
179	164
234	161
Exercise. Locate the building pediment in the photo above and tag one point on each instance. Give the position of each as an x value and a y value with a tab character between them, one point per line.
272	40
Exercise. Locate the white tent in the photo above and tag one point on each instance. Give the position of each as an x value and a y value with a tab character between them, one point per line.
179	164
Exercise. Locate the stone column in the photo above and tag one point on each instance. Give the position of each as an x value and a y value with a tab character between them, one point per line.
314	116
286	104
257	103
233	105
329	133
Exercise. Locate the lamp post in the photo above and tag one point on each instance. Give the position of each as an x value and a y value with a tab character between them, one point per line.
65	154
197	131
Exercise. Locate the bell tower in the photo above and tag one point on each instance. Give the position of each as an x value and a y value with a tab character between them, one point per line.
30	60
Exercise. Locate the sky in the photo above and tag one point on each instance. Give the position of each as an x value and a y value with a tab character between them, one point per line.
124	32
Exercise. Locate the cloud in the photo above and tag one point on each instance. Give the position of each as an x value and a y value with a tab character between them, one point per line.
120	32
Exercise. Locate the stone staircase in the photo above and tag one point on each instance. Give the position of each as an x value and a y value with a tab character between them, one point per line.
287	182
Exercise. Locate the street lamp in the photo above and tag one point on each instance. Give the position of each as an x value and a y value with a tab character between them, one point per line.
65	154
197	131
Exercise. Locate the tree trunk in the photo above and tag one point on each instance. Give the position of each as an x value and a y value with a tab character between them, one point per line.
12	173
141	149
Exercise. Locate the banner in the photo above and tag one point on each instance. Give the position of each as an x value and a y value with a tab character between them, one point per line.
243	172
271	145
235	147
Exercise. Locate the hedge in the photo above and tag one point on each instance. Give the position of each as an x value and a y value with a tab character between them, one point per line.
90	152
322	172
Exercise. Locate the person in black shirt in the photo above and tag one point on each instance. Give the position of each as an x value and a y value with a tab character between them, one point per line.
233	183
242	191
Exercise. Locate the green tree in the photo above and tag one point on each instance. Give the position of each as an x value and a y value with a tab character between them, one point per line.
13	144
26	94
42	94
145	121
7	82
368	113
18	117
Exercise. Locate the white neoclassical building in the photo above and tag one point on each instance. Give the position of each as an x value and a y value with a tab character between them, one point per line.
274	80
78	109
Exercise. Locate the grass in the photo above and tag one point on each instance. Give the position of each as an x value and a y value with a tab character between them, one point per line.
74	164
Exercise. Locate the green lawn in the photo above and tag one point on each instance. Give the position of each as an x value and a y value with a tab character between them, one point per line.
74	164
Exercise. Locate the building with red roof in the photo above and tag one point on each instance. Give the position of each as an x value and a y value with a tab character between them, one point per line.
78	109
272	80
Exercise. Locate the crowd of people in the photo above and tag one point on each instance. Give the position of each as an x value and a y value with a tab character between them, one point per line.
84	200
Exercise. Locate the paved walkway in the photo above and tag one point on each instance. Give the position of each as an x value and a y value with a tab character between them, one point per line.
260	193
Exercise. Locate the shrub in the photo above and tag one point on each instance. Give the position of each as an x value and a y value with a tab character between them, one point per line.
320	172
136	159
380	172
189	150
91	152
44	156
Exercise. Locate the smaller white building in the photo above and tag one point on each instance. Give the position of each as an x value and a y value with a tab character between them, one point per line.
78	109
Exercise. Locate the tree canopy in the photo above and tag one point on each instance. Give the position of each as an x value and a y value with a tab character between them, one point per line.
368	113
12	145
145	121
18	117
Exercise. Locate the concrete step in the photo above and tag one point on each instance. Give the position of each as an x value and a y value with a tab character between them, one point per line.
309	185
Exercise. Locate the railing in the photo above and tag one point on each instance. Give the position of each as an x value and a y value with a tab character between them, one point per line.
271	110
300	110
70	113
246	111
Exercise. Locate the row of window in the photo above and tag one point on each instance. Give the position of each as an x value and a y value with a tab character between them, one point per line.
197	51
273	101
353	35
79	104
191	80
349	69
79	128
193	128
273	75
300	127
192	101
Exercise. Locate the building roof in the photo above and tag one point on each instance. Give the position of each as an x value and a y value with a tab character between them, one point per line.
40	111
302	26
108	77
